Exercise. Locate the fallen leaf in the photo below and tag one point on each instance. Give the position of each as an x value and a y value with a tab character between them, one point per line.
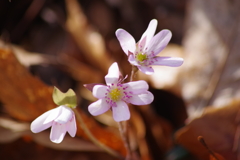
211	62
217	126
88	40
218	156
25	97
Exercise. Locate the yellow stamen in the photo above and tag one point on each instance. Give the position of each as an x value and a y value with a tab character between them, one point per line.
141	57
115	94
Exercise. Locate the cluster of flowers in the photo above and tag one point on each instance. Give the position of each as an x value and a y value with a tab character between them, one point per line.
115	95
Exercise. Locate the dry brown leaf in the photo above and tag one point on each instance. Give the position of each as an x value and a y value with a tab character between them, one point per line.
211	43
28	150
27	58
88	40
80	71
218	156
217	126
25	98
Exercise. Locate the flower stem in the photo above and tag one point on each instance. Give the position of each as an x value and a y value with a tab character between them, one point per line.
93	139
133	72
123	125
123	131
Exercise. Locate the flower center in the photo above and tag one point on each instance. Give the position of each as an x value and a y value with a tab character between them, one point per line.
115	94
141	57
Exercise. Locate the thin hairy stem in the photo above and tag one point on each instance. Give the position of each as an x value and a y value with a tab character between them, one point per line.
133	72
123	131
123	125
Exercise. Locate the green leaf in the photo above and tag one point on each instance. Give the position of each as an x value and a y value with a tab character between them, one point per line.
68	99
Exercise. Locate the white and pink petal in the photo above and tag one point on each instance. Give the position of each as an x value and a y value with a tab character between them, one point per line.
52	114
58	132
132	60
113	74
149	33
98	107
65	115
99	91
142	99
121	112
38	124
159	42
146	69
126	41
72	127
44	121
168	61
136	87
141	44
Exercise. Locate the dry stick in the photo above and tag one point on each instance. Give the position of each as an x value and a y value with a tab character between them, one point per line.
93	139
202	141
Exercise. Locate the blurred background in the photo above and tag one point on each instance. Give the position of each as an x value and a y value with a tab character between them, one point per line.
68	43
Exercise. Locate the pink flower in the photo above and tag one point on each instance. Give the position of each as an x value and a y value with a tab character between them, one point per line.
143	54
116	95
61	119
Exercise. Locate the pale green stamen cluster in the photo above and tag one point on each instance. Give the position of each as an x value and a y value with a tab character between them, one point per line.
115	94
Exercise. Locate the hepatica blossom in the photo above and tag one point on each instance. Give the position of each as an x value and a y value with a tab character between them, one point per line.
61	119
115	95
144	53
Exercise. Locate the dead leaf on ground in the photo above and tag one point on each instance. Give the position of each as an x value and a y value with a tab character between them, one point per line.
218	156
217	126
211	42
88	40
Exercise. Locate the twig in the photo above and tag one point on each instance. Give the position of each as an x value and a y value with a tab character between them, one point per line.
94	140
202	141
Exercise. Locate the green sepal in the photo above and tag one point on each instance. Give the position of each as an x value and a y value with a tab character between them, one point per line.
68	99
